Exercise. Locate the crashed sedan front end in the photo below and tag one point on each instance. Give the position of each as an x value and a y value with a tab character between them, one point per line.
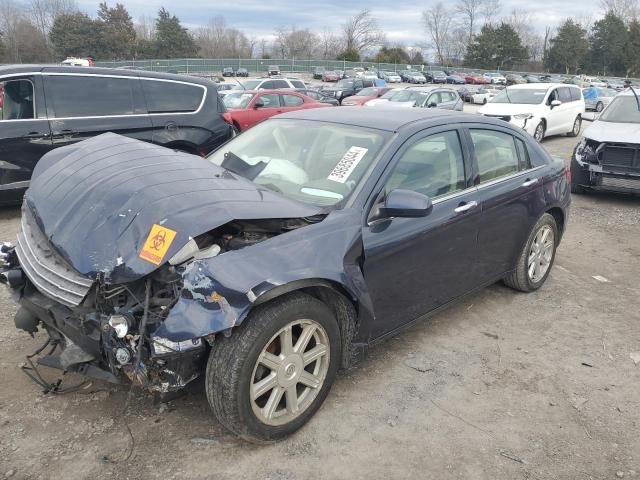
127	292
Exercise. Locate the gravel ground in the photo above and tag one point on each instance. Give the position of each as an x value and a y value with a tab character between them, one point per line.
501	386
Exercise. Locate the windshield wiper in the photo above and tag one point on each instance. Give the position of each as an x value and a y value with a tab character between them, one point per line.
237	165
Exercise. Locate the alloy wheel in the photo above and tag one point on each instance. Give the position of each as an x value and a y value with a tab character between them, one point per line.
576	126
539	133
289	372
540	254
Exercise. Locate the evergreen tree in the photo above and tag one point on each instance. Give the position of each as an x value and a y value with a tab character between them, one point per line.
609	38
632	51
568	49
498	47
392	55
350	55
118	34
76	35
172	39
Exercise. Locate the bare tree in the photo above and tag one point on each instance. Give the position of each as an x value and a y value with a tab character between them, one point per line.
361	32
217	40
10	17
438	21
145	28
294	43
45	12
470	11
490	11
330	44
627	10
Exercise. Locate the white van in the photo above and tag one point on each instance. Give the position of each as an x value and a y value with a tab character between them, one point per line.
541	109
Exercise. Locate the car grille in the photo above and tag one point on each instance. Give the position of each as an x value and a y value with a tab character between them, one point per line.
46	269
621	157
618	183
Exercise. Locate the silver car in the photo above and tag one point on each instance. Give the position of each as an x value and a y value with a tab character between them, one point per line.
600	99
440	97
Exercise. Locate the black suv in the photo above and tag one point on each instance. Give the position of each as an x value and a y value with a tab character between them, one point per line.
45	107
347	87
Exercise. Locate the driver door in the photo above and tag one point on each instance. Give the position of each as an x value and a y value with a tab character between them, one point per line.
414	265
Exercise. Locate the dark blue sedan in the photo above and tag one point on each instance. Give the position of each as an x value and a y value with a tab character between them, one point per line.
456	79
297	246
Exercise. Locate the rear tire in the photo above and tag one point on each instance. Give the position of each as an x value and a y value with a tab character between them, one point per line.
239	365
522	278
577	124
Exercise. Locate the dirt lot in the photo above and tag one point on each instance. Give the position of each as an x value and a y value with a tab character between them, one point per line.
502	386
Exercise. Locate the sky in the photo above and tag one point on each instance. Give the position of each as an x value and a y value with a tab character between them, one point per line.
399	19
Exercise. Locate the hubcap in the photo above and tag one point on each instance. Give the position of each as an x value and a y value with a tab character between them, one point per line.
541	254
290	372
576	126
539	132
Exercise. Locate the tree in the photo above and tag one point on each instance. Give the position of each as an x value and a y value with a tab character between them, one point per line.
44	13
330	43
392	55
568	49
217	40
470	10
627	10
350	55
3	49
75	35
172	40
496	48
294	43
632	48
118	34
438	21
609	38
415	57
361	32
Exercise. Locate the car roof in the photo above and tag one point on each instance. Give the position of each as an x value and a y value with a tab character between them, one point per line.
118	72
429	88
537	86
393	119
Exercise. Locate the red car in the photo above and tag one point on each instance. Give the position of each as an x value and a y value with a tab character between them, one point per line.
248	107
364	95
475	79
330	76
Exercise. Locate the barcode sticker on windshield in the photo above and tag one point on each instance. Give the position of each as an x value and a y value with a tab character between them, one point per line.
347	164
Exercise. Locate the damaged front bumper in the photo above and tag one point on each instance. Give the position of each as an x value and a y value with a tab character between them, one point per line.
612	167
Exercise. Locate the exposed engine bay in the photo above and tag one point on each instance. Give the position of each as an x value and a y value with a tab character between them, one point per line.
111	334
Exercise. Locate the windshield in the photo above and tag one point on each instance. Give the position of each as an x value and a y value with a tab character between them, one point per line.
237	100
527	96
345	84
367	92
622	109
313	162
250	84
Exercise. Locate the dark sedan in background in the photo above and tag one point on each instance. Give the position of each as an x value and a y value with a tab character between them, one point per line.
296	247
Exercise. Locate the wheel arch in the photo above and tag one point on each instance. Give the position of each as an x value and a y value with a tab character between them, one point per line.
558	214
336	297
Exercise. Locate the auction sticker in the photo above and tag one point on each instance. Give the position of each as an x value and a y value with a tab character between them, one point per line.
157	244
347	164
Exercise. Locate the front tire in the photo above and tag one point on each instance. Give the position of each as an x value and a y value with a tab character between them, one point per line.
268	379
535	261
538	133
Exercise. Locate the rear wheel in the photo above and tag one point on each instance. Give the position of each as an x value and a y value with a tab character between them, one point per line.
269	378
575	131
537	256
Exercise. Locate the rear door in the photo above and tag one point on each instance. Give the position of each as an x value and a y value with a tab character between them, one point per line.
24	133
510	190
83	106
290	102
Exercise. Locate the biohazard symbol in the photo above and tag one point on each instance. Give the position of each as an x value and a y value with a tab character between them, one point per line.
157	244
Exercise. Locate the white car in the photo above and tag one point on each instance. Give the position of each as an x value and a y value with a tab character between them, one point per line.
392	77
269	84
398	97
604	159
495	78
484	95
541	109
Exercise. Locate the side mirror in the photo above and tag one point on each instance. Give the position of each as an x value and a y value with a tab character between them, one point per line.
402	203
555	103
258	104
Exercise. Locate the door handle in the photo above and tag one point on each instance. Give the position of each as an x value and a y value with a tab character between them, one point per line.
466	207
35	135
529	182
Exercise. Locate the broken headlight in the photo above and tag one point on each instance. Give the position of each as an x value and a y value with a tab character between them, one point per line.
120	325
162	346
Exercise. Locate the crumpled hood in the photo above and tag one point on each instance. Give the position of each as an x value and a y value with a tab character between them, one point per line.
98	200
613	132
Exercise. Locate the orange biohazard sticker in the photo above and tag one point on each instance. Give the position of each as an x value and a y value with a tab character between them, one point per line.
157	244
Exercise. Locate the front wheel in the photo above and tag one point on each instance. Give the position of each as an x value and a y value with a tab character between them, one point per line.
535	261
538	133
269	378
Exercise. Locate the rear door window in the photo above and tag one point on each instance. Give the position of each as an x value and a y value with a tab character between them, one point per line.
172	97
291	101
496	154
297	83
564	95
575	94
89	96
16	100
274	84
